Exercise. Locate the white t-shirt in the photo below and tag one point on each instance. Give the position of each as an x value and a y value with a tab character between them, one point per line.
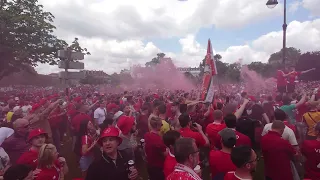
5	133
26	109
100	115
288	134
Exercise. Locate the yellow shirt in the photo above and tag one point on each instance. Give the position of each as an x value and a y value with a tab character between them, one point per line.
311	119
9	116
164	128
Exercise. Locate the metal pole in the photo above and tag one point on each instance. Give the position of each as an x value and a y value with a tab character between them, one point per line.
67	60
284	27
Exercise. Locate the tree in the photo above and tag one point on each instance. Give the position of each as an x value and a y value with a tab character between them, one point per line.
155	60
26	36
217	57
307	61
292	56
233	72
265	70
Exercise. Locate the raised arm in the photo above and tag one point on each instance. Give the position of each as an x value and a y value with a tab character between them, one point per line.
306	71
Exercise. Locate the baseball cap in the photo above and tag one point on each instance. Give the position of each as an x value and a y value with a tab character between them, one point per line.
228	137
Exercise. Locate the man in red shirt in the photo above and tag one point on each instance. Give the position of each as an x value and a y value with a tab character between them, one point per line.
311	150
220	161
245	160
215	127
277	153
155	150
292	77
36	138
185	131
187	156
169	139
281	81
231	121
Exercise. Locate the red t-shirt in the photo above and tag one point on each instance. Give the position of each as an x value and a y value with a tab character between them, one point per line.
292	77
300	111
71	110
168	110
187	132
154	148
169	164
241	140
49	173
277	154
231	176
311	150
55	121
86	140
281	80
29	158
212	131
220	163
209	118
76	121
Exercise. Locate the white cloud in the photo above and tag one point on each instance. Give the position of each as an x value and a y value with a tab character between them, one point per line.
123	19
313	6
112	55
113	31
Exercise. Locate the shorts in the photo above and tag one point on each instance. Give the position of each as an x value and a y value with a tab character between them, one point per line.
85	162
282	89
291	88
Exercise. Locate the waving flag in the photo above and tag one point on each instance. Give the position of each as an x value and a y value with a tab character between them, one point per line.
207	90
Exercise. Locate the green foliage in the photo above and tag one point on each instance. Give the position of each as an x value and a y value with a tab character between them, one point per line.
155	60
292	56
26	36
264	69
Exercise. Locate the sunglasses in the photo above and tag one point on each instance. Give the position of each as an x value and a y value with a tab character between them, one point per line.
255	160
194	152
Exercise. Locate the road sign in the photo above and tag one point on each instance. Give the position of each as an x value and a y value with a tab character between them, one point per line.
72	65
73	56
72	75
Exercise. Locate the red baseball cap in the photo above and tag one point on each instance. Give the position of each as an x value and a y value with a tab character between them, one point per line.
35	133
125	124
112	106
110	132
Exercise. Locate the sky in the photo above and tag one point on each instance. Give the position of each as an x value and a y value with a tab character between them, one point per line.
122	33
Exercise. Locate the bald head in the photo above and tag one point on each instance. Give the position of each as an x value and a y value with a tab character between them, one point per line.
19	123
217	114
278	125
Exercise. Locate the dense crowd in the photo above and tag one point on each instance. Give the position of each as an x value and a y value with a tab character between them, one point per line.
176	135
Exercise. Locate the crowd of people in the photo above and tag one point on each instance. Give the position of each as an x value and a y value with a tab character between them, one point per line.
175	133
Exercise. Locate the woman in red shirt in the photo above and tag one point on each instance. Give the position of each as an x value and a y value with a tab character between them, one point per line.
88	138
49	169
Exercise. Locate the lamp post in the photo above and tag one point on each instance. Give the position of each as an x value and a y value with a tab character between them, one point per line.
271	4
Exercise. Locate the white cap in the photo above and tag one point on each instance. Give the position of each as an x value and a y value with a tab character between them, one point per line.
16	98
117	115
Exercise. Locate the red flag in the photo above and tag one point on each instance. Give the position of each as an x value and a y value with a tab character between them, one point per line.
207	92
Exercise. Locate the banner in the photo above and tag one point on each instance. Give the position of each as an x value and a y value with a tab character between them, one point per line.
207	89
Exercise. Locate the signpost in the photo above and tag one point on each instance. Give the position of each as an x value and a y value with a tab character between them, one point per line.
67	58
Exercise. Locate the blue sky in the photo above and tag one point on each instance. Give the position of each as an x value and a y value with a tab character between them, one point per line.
223	38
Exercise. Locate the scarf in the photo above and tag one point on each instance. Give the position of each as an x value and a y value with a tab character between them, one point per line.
181	167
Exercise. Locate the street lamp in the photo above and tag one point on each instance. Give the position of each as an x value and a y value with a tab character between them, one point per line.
271	4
